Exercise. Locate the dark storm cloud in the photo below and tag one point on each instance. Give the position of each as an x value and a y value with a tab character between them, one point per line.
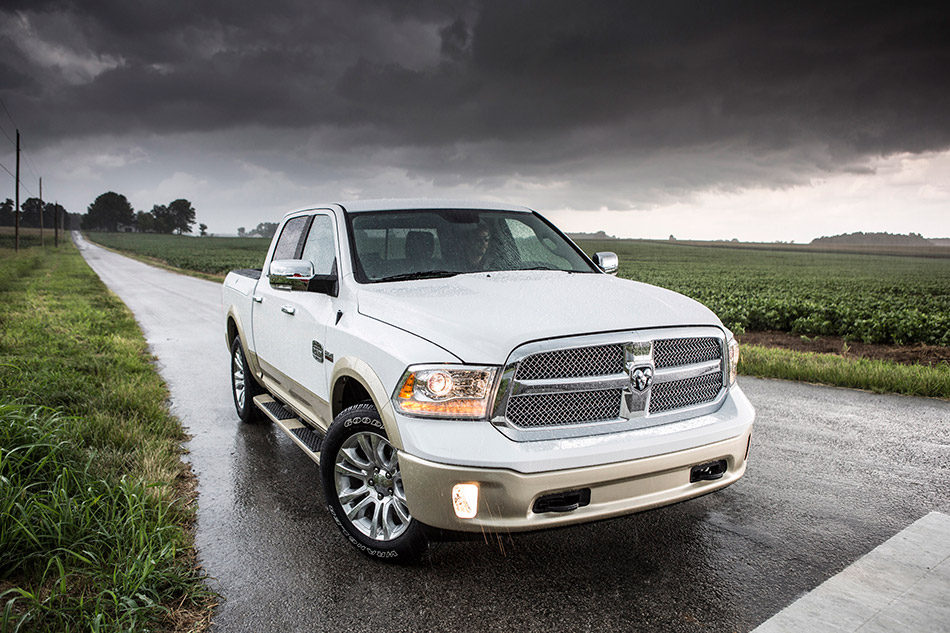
495	86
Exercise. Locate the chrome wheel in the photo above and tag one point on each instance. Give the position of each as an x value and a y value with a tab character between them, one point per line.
237	377
369	486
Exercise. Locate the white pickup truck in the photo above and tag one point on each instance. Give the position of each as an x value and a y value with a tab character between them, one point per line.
464	367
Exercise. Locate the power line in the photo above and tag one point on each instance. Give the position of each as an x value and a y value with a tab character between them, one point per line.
14	180
29	159
9	116
12	142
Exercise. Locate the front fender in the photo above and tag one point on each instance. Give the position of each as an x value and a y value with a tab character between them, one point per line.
360	371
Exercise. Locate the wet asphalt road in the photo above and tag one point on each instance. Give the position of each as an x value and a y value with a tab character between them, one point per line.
832	474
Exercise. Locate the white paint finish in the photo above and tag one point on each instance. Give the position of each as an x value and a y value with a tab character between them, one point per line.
902	585
482	317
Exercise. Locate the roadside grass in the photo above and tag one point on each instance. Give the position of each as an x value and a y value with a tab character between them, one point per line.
878	376
94	499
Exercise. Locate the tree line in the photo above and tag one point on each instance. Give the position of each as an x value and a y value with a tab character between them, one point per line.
31	211
264	229
112	212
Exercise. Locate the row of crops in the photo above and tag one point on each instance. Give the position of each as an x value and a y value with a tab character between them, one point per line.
870	298
211	255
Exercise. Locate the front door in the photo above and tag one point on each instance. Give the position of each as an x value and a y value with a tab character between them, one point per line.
291	345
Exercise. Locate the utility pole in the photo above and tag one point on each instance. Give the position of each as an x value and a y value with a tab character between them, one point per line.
16	210
42	242
56	224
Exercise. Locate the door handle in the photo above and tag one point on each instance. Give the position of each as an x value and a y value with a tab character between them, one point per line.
288	309
258	299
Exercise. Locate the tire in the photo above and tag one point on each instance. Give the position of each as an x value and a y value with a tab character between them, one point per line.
363	487
244	386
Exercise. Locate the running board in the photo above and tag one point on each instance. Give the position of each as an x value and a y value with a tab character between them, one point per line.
308	439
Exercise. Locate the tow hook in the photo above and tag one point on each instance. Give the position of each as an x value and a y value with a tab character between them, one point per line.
708	472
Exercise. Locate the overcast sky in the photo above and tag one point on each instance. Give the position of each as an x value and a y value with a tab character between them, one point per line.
706	119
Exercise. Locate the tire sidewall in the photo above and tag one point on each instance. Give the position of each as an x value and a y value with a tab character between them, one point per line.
363	417
249	413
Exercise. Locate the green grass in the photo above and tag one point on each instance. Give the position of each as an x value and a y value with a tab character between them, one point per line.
859	373
93	502
869	298
209	255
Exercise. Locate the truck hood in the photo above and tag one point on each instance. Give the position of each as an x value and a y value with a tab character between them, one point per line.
481	318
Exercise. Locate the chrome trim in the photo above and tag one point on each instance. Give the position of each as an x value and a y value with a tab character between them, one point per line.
557	385
634	406
670	374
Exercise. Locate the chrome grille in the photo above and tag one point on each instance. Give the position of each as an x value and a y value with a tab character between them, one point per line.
677	394
556	409
586	389
578	362
673	352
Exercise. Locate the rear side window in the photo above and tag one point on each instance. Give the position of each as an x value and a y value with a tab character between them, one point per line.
289	243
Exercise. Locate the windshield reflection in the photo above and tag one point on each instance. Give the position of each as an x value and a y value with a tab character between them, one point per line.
426	244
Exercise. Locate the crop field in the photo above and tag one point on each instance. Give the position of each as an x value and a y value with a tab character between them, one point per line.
28	237
210	255
870	298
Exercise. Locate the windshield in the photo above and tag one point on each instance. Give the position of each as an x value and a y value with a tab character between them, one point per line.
419	244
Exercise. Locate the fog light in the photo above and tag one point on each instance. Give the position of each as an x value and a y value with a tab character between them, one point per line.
465	500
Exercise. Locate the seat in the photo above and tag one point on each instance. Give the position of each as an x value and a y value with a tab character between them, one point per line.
420	245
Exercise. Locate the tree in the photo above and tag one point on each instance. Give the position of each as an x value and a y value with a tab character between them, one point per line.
52	212
164	219
183	214
6	212
31	208
145	222
264	229
241	230
203	228
107	212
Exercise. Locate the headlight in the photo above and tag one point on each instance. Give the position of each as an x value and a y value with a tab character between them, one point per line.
733	360
445	391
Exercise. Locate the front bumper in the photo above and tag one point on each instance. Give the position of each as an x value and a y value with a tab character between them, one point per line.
506	497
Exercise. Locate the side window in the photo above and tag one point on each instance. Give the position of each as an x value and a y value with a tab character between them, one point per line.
290	238
320	248
534	248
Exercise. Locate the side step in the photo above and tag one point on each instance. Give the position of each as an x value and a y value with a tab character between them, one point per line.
307	438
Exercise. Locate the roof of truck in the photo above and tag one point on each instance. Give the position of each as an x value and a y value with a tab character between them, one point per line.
400	204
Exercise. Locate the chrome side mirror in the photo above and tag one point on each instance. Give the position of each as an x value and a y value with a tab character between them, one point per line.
297	274
290	274
607	262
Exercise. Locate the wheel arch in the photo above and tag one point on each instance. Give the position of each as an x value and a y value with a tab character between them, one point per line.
355	381
235	328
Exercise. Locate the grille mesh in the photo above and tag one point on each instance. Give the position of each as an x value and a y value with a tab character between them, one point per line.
667	396
673	352
558	409
579	362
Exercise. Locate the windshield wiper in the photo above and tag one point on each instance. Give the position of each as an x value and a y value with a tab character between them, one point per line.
424	274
